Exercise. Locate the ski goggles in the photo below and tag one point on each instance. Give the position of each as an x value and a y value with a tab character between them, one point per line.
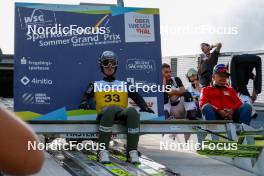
109	63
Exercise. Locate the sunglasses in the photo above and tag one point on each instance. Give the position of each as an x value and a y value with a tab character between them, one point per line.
109	63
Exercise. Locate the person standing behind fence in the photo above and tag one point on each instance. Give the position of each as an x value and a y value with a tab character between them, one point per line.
240	79
207	61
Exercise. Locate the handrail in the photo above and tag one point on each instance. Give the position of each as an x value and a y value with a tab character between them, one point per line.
44	122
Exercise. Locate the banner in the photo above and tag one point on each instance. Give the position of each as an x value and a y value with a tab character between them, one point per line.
57	48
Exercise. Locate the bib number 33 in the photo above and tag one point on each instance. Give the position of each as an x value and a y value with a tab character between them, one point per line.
109	98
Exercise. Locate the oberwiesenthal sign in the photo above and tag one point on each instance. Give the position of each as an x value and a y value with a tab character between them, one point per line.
56	55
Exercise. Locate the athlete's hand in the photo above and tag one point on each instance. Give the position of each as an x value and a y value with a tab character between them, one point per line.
84	105
149	110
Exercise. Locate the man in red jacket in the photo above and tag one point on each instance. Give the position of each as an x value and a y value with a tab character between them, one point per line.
219	101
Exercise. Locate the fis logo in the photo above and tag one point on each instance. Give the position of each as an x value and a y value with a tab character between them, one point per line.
36	17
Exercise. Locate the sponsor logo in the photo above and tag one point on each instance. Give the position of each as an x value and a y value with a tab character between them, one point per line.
42	27
37	17
42	98
38	81
28	98
147	65
35	98
23	61
139	27
25	80
89	136
140	83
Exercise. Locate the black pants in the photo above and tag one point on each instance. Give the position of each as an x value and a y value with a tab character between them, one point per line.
128	116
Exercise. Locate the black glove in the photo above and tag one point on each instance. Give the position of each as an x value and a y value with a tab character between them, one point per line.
84	105
149	110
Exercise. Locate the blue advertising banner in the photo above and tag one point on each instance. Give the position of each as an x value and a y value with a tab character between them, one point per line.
57	48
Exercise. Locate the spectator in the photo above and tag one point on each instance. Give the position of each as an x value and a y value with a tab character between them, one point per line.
207	61
15	158
240	79
195	87
178	102
219	101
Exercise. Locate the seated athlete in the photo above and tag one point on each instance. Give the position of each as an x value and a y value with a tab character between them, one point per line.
112	105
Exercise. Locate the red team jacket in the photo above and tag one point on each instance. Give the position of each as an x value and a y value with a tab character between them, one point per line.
220	98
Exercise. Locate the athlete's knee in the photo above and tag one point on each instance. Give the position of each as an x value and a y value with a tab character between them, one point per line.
107	116
109	112
132	112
